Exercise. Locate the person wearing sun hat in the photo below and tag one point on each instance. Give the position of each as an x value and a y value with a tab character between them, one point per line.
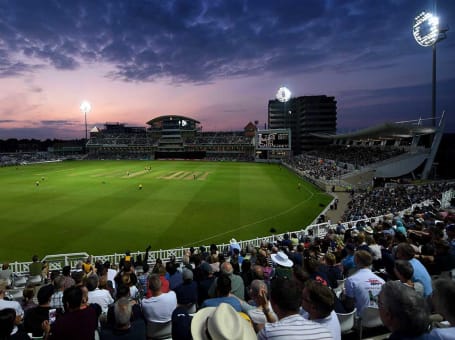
283	265
221	322
233	244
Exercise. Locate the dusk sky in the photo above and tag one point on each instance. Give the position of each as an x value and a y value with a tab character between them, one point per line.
217	61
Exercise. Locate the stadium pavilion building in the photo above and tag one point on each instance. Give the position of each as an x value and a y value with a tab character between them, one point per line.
170	137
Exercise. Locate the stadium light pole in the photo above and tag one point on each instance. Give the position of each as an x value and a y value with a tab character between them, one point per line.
427	32
283	95
85	108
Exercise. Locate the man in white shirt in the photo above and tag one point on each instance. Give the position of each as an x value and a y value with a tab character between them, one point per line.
160	306
102	297
363	287
10	304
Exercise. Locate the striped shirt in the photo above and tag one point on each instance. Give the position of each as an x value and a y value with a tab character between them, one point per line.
294	327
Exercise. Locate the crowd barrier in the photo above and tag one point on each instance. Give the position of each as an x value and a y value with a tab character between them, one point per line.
57	261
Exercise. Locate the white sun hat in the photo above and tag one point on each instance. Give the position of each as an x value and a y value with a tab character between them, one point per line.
282	259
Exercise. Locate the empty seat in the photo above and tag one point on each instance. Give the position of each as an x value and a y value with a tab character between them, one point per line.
159	330
19	281
347	320
369	319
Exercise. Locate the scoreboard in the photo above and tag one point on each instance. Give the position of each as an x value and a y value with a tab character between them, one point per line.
278	139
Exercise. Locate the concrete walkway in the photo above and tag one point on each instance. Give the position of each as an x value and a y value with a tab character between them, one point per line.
343	200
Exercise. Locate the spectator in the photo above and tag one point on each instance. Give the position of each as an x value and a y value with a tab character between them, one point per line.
404	272
233	244
27	298
102	297
221	322
187	292
173	275
159	307
443	298
87	266
450	231
57	297
143	279
136	313
286	296
76	323
318	304
406	252
10	304
283	265
35	268
403	311
348	261
206	282
363	287
68	281
6	274
8	326
223	289
237	285
124	327
331	270
256	310
34	317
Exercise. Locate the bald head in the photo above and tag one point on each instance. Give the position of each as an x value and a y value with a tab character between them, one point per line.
226	268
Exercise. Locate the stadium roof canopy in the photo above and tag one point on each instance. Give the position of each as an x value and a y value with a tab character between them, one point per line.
171	117
383	131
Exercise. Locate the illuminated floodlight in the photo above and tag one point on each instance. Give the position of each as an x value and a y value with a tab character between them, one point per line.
426	29
85	107
427	33
283	95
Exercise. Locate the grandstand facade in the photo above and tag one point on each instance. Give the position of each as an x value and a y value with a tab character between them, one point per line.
170	137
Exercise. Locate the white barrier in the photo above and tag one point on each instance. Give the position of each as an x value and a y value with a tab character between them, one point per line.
58	261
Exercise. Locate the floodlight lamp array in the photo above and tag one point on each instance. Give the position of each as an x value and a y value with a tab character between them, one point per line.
85	107
426	29
283	94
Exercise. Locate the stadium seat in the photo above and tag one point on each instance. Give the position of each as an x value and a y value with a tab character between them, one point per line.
339	289
19	281
369	319
159	330
34	280
347	321
15	294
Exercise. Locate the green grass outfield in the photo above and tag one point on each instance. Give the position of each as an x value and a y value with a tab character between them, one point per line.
97	207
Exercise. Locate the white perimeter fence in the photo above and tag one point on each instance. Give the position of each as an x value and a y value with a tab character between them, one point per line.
57	261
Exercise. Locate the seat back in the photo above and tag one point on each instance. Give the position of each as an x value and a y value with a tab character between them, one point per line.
347	320
341	284
19	281
34	280
370	317
159	330
15	294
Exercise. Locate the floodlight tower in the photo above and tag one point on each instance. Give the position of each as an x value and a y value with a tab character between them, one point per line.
427	33
85	108
283	95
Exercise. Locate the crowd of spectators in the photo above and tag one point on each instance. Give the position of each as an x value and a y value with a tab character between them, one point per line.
318	168
391	200
21	158
356	156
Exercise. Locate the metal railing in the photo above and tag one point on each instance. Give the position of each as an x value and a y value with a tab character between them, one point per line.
58	261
